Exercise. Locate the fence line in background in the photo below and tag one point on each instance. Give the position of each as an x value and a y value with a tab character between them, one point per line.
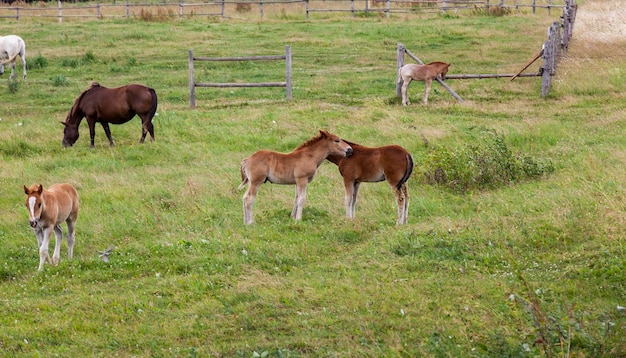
286	84
182	9
552	50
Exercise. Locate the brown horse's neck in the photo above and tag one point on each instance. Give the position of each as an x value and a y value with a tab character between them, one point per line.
76	114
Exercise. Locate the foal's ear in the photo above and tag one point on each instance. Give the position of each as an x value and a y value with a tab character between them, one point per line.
323	133
40	189
63	123
26	190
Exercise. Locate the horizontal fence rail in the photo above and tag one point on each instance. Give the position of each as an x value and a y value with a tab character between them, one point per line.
246	9
287	84
552	50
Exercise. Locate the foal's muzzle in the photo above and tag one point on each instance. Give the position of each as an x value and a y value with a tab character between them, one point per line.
33	223
349	152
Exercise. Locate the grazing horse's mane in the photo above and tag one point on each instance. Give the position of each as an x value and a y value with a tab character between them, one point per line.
80	97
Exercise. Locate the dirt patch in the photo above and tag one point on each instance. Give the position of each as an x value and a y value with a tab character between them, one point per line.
601	22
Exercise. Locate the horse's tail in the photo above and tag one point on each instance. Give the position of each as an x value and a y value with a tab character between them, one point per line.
408	171
153	108
244	177
10	59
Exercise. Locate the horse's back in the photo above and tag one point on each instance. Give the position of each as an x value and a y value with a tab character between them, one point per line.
377	163
140	98
66	196
12	44
115	104
422	72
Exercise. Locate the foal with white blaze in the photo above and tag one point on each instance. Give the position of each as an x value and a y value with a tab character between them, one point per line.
10	47
47	209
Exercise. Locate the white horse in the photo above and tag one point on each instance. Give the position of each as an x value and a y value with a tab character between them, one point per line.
10	47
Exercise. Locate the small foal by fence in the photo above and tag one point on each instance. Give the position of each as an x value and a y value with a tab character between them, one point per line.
368	165
47	209
298	167
426	73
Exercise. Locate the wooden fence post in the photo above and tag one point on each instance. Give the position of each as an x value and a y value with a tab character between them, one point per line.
400	63
550	55
60	7
288	70
192	83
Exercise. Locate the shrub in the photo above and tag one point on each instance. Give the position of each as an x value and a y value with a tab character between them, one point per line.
14	85
38	62
59	80
243	7
491	11
88	57
487	162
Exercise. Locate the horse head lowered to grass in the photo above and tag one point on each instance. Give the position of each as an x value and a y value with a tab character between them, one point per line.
47	209
367	165
110	105
297	167
426	73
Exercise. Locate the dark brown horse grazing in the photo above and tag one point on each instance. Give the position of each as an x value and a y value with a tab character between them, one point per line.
426	73
297	167
392	163
110	105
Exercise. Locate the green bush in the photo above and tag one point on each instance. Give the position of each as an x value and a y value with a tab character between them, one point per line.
486	162
13	86
38	62
59	80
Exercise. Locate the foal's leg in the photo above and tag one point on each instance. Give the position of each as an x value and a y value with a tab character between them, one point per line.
298	203
405	88
349	185
39	235
71	226
355	193
427	90
107	131
56	256
400	200
248	200
43	249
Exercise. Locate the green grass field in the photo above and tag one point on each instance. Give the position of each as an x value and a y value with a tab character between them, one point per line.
533	265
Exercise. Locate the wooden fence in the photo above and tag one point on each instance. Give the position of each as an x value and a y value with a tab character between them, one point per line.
193	84
245	8
552	50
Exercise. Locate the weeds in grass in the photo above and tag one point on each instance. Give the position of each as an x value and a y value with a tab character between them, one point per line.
38	62
243	7
70	62
491	11
487	162
13	85
59	80
161	15
88	57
